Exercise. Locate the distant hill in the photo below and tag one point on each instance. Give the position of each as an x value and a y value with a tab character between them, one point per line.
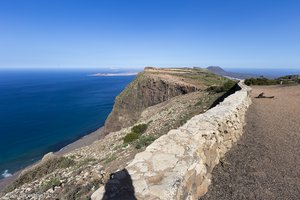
219	71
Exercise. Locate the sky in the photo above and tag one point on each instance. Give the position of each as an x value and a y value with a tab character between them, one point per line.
137	33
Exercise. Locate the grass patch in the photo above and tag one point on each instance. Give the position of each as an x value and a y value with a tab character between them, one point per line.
86	161
136	132
75	192
224	88
199	103
54	181
40	170
117	147
136	136
285	80
261	81
144	141
109	158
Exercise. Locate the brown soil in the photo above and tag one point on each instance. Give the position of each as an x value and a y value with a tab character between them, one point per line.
265	163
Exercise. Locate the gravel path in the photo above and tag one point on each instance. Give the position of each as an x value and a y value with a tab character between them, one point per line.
265	163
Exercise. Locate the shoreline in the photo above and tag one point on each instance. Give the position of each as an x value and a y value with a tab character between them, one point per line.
82	142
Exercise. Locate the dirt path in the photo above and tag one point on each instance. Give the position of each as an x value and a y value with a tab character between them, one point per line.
265	163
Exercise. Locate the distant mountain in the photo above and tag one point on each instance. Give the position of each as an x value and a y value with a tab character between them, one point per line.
219	71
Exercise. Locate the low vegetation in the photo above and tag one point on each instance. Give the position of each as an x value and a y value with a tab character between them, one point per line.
136	132
137	138
261	81
80	191
224	88
130	137
139	129
54	181
110	158
86	161
41	170
144	141
285	80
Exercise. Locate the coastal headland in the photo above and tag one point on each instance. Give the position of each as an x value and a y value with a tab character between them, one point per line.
158	99
167	136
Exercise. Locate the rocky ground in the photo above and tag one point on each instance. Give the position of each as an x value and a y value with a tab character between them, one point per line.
265	162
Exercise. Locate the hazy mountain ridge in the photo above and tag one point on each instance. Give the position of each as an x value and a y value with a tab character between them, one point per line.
220	71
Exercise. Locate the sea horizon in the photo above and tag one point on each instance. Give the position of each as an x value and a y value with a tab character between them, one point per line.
266	72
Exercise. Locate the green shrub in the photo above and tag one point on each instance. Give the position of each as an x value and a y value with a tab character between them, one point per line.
140	128
144	141
261	81
224	88
130	137
228	85
136	132
214	89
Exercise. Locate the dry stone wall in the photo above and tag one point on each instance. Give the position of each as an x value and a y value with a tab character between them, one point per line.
179	164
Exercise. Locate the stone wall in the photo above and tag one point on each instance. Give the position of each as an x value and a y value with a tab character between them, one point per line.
179	164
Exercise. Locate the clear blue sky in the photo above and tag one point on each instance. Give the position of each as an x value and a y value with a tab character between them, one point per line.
137	33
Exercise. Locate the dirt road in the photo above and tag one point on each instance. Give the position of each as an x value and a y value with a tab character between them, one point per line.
265	163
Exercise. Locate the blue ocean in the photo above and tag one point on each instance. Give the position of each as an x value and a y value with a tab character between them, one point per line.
43	111
266	72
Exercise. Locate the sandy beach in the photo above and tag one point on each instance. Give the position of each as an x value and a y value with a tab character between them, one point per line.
84	141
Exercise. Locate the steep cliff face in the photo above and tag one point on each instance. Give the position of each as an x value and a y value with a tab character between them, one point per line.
152	87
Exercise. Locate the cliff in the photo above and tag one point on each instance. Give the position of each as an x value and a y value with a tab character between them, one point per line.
153	86
157	101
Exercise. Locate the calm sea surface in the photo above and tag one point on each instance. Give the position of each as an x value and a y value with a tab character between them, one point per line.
42	111
269	73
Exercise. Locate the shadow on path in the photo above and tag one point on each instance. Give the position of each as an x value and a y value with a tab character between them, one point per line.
119	186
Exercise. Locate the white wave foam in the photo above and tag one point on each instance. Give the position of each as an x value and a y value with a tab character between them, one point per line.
6	174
